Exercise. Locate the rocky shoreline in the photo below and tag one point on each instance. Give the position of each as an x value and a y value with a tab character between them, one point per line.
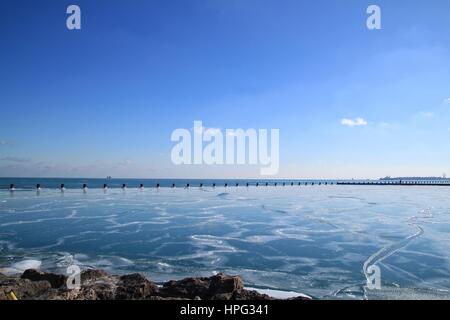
99	285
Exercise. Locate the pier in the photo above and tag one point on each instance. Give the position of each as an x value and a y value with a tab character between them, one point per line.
437	183
238	183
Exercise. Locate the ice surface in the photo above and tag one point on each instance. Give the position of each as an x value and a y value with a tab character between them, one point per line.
20	267
318	240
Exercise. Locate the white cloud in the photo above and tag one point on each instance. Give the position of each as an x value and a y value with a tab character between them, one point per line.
125	162
354	123
428	114
447	100
425	115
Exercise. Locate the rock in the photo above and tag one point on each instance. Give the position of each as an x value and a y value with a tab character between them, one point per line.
224	284
187	288
92	275
300	298
166	298
250	295
98	285
220	286
135	286
95	285
96	291
222	296
55	280
25	289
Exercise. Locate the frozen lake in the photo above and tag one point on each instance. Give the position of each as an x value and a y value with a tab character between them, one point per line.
315	240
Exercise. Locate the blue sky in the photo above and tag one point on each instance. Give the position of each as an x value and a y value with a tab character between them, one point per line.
104	100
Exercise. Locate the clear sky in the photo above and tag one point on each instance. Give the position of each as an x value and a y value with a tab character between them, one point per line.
105	99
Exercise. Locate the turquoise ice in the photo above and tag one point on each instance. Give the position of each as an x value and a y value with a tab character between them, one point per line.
316	240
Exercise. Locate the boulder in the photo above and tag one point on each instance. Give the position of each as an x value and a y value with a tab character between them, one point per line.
134	286
98	285
92	275
55	280
97	291
224	284
220	286
25	289
187	288
300	298
250	295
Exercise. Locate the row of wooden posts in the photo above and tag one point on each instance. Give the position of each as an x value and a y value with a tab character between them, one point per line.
275	184
200	185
